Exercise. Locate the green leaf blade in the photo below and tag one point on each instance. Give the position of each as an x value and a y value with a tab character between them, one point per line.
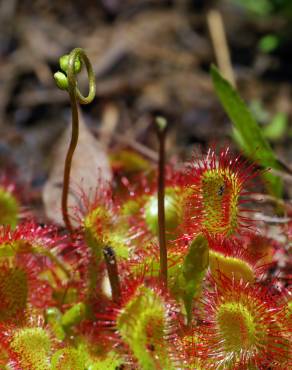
248	133
243	120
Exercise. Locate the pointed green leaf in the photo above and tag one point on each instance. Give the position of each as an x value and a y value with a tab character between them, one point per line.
248	133
276	129
194	268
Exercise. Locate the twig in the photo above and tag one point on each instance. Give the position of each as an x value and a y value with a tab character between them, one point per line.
144	150
219	40
284	175
271	219
267	199
110	119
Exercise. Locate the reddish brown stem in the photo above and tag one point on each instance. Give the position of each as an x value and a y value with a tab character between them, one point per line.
68	162
161	129
113	274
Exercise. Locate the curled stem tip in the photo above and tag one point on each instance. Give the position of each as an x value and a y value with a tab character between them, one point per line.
71	65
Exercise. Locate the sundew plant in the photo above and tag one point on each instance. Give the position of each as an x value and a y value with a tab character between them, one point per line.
163	272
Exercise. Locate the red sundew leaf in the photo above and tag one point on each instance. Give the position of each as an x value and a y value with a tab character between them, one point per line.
14	285
217	189
38	251
231	257
144	311
28	345
260	248
244	325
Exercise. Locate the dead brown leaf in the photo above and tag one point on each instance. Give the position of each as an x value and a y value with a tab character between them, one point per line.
90	166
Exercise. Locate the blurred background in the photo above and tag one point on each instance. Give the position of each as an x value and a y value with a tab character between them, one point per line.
150	57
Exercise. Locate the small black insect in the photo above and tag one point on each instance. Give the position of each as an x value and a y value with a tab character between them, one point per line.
151	347
221	190
109	252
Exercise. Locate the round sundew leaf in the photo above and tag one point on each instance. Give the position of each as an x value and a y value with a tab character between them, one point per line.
9	209
13	292
69	359
110	362
4	356
172	212
97	225
237	326
32	348
99	233
189	347
6	250
220	196
129	161
245	326
141	324
98	221
219	186
130	208
118	242
231	267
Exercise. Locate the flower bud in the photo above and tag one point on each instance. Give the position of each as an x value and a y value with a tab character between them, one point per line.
61	80
64	60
